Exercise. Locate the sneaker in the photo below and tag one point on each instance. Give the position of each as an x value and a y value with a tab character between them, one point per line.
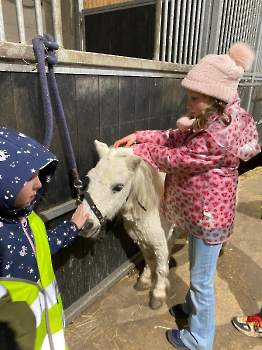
249	325
177	311
174	339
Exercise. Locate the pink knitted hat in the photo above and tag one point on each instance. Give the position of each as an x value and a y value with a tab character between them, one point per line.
218	75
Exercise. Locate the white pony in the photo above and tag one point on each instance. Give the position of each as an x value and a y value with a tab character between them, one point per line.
123	183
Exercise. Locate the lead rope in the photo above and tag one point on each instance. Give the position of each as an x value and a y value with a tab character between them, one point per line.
44	47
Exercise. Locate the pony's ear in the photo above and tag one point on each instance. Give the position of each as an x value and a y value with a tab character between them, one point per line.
102	148
133	161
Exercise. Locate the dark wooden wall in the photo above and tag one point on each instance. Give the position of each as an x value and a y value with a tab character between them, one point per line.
96	107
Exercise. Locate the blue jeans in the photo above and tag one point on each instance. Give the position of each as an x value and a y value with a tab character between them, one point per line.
200	301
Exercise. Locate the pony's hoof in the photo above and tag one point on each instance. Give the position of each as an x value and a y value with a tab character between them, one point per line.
155	303
139	286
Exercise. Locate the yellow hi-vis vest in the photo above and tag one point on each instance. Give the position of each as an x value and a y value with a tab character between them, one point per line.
43	296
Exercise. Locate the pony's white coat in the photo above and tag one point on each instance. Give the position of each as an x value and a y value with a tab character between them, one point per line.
122	182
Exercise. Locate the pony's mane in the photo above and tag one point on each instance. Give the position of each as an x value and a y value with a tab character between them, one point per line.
148	186
120	151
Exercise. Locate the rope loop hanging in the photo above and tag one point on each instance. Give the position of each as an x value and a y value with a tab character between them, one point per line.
44	47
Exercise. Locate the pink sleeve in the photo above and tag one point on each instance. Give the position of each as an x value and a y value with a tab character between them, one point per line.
167	138
194	160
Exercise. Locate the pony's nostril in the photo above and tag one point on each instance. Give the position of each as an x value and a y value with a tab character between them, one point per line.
88	226
88	229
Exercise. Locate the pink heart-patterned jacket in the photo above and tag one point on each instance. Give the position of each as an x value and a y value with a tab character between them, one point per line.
201	171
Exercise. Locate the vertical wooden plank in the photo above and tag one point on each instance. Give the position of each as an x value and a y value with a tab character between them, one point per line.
167	103
109	110
155	107
27	97
87	102
73	271
111	28
179	101
108	99
138	30
7	110
88	120
142	99
126	33
97	259
168	96
100	34
156	96
127	86
147	30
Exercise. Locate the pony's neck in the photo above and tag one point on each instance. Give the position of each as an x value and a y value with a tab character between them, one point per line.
148	188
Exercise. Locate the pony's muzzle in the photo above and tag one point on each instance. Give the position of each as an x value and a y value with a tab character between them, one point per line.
90	230
92	225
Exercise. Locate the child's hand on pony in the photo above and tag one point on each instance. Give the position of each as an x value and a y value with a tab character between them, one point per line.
128	141
79	218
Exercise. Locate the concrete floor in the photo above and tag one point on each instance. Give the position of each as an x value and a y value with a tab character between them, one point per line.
122	320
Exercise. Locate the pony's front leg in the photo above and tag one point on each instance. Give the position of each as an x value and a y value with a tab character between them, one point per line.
145	279
161	284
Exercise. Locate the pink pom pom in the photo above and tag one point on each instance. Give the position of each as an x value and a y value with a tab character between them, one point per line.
242	54
185	122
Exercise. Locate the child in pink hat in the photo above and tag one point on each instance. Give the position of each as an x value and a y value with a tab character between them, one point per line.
201	160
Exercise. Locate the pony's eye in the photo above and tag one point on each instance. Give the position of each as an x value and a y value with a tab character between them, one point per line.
117	188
